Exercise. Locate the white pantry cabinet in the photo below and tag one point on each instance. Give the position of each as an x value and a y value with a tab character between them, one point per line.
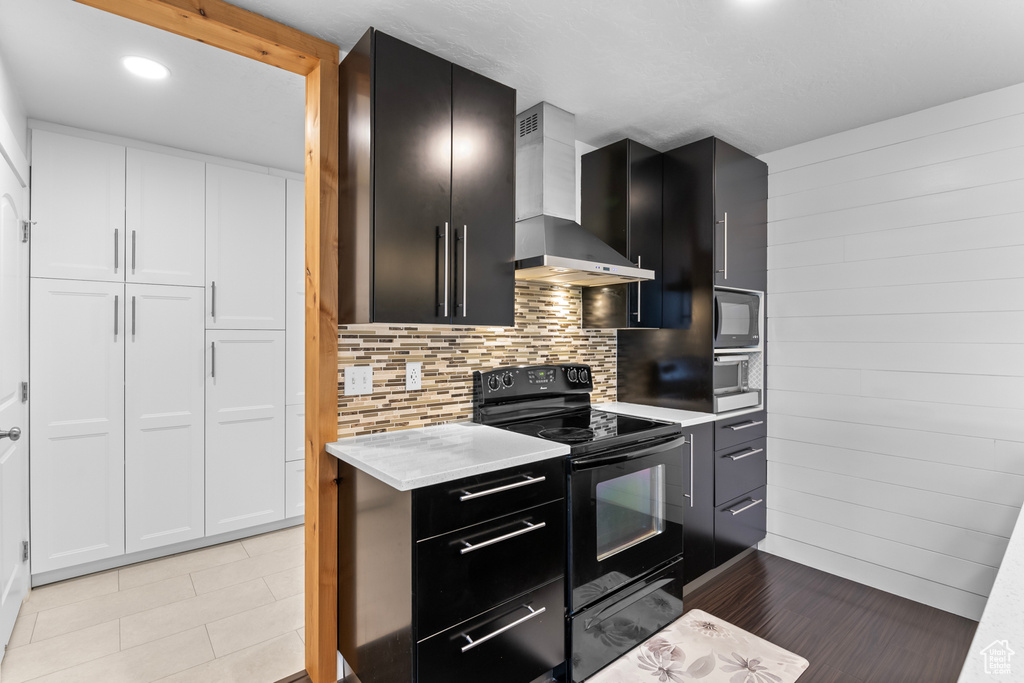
165	238
244	429
295	344
78	195
245	250
295	488
164	417
77	422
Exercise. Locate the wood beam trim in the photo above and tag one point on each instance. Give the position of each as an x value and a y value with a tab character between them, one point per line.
230	28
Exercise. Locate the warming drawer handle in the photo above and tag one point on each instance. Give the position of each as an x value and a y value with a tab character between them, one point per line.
746	454
746	425
494	634
498	489
753	503
519	532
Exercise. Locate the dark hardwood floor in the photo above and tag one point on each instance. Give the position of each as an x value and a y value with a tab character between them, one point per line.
850	633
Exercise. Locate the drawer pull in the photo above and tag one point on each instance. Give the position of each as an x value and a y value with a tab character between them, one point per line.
754	502
519	532
498	489
746	425
494	634
740	456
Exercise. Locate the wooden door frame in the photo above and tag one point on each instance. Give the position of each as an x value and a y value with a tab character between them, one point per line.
222	25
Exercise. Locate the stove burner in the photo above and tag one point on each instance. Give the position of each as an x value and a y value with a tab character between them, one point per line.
528	428
567	434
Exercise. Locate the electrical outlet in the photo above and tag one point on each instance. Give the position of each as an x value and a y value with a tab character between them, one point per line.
358	380
413	376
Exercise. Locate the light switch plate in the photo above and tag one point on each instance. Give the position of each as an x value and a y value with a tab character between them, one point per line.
358	380
413	376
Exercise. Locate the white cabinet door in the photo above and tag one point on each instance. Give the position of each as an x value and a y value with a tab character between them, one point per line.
77	422
166	219
295	380
244	429
295	433
245	250
295	488
78	207
164	417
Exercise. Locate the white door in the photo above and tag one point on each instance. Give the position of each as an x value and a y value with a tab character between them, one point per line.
295	344
77	422
165	219
244	429
78	207
14	572
164	395
245	245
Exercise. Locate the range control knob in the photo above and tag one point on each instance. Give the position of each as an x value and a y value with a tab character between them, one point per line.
507	379
571	374
584	376
493	383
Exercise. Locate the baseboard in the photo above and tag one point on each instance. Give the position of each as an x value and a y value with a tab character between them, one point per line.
55	575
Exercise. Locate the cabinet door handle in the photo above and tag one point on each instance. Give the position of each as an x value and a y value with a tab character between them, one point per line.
133	317
753	502
745	454
465	268
725	243
507	487
213	299
746	425
638	261
117	250
213	359
690	494
498	539
133	251
480	641
447	268
117	312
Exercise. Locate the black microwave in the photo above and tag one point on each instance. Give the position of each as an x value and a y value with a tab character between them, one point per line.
737	319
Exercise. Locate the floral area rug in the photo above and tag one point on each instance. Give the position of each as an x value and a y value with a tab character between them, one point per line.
700	647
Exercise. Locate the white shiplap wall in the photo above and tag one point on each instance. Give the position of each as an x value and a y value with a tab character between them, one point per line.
896	350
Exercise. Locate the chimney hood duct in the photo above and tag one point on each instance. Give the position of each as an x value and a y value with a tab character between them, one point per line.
550	246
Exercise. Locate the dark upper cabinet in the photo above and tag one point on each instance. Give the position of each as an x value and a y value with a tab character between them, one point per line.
427	194
741	218
620	203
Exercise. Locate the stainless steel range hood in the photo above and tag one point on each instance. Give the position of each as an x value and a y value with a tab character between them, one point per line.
550	246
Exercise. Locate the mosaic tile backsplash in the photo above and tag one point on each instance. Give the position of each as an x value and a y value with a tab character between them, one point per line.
547	330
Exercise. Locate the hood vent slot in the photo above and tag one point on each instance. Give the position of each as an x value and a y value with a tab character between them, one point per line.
527	125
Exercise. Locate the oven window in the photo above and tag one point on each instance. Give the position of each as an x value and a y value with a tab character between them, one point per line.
630	509
735	319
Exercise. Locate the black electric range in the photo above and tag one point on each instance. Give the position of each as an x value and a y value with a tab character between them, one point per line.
624	504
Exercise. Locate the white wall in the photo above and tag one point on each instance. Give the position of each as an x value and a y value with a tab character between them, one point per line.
896	350
13	124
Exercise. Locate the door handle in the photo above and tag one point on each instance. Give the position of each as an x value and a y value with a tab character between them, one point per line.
725	244
117	255
14	433
753	502
638	283
692	455
498	539
117	311
133	251
498	489
447	267
465	268
213	299
746	425
133	316
480	641
213	359
745	454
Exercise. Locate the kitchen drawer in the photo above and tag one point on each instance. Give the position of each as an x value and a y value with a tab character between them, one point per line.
508	644
739	525
732	431
739	470
456	504
454	582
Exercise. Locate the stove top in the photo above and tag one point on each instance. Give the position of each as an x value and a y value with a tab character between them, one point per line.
588	429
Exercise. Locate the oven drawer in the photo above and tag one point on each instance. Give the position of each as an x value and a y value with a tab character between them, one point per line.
733	431
739	525
739	470
515	642
456	504
469	571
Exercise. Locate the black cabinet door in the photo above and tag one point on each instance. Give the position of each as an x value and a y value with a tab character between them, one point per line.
739	525
412	166
483	200
741	219
699	515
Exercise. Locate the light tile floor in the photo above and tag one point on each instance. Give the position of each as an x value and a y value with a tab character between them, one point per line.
232	612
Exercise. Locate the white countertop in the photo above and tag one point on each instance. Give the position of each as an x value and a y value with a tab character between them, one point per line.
414	458
1001	620
683	417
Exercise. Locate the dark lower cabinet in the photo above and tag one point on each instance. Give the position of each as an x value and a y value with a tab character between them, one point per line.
426	189
699	513
739	524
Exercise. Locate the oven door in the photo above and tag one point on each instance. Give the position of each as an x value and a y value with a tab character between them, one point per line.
737	319
626	516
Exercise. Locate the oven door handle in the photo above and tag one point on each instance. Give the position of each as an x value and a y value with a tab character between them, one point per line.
614	459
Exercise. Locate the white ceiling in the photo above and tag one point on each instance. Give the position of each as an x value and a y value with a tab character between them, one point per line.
761	74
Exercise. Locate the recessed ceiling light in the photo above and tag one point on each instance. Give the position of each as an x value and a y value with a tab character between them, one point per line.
145	68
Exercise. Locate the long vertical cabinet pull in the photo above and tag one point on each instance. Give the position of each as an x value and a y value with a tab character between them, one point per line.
447	268
725	245
465	269
213	300
117	309
690	494
638	261
133	317
133	252
213	359
117	255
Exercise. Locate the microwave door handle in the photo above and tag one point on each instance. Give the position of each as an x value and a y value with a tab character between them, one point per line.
626	456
